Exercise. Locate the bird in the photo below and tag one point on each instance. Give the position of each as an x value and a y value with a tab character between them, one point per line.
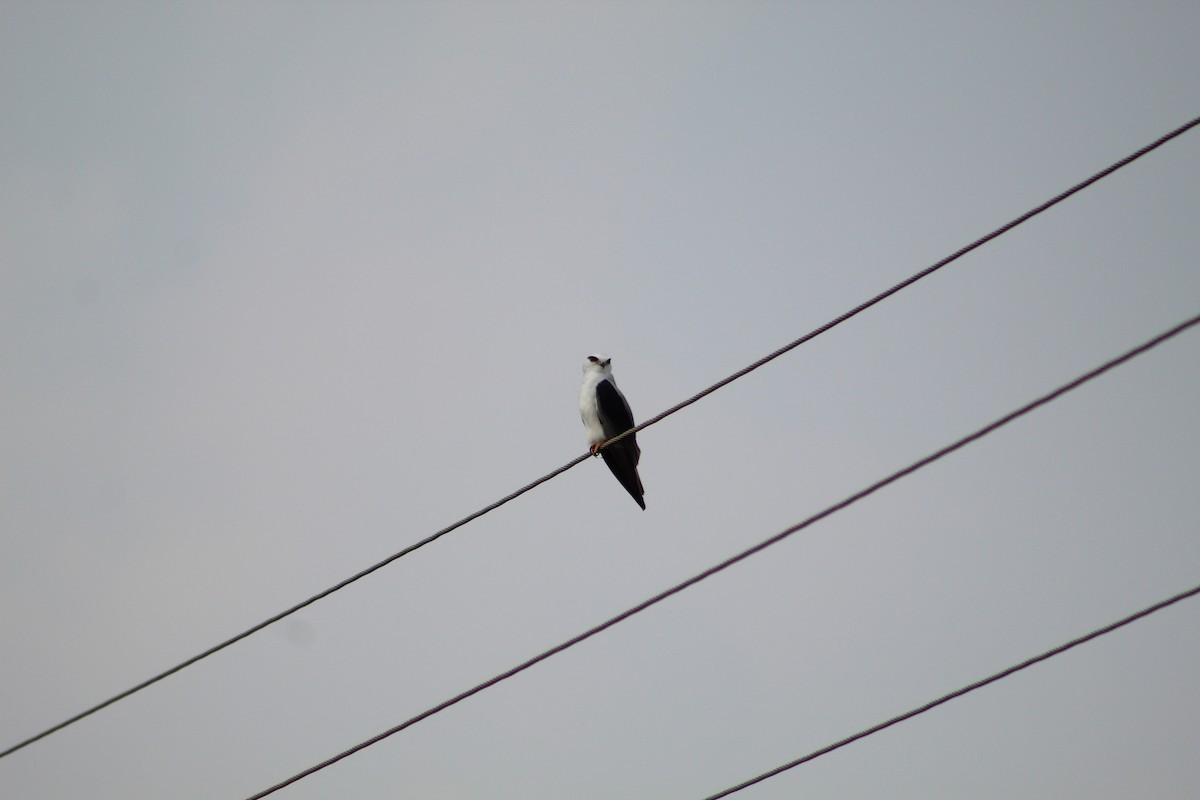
605	413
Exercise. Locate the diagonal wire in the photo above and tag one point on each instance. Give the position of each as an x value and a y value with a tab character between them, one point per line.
271	620
982	240
729	562
653	420
979	684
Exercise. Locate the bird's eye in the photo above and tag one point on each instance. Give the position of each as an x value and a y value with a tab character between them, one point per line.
593	359
607	361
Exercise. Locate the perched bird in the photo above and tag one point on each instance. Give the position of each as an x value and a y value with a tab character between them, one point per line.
606	414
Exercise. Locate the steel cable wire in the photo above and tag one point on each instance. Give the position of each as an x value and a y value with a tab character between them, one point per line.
580	459
979	684
679	587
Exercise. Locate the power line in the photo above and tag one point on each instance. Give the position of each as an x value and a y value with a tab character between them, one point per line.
679	587
982	240
979	684
653	420
218	647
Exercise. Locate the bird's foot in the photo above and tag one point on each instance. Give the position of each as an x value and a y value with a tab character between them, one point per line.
595	449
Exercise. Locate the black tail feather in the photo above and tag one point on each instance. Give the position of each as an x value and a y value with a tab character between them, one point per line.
622	458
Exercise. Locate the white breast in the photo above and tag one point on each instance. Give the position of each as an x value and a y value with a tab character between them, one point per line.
588	409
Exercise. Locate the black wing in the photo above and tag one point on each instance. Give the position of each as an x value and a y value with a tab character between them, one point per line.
615	415
622	457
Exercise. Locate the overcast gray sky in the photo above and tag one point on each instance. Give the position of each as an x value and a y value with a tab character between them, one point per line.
286	287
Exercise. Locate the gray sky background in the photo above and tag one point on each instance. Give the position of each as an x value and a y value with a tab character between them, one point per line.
288	287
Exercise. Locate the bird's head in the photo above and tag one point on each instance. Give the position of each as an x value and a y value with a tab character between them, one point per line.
598	362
